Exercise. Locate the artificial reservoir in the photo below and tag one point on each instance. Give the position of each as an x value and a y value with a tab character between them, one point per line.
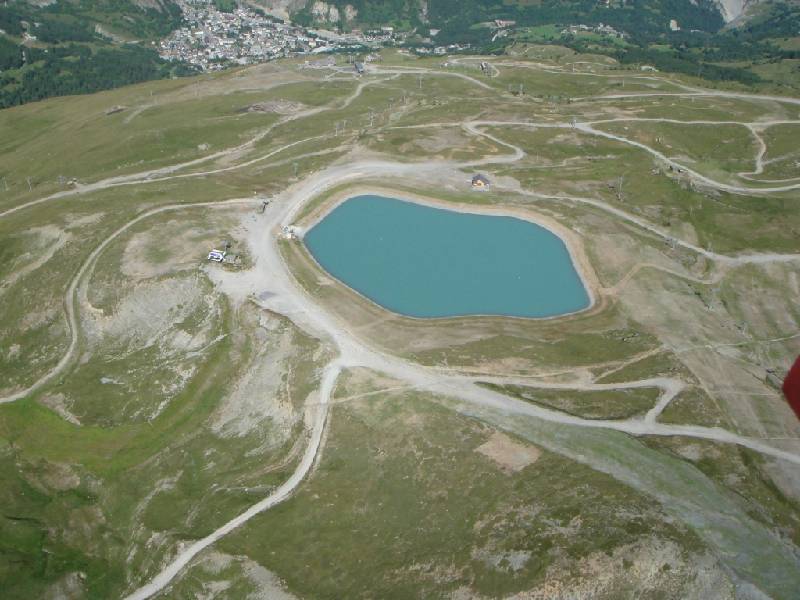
426	262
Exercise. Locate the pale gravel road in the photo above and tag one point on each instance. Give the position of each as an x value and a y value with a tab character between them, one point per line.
286	297
169	172
69	298
271	273
698	93
327	384
586	127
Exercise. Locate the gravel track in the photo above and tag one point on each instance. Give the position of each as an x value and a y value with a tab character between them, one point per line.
288	298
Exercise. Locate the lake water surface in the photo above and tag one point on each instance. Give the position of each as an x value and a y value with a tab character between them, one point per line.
420	261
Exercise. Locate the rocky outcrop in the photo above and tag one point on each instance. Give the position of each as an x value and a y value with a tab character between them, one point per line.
280	8
731	9
350	12
329	13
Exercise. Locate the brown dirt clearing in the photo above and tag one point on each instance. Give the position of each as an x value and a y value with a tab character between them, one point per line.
511	456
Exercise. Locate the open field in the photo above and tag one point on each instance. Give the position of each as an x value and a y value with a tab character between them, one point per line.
470	510
174	427
715	149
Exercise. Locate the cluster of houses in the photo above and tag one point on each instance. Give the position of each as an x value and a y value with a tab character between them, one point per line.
599	28
441	50
212	39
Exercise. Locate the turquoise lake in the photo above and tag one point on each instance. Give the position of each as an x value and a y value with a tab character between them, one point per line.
427	262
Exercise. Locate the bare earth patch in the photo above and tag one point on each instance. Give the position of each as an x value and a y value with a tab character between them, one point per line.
218	575
263	392
58	404
281	107
510	455
44	243
656	566
171	247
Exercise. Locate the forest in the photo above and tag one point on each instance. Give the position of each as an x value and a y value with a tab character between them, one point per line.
457	19
701	48
709	54
79	69
65	53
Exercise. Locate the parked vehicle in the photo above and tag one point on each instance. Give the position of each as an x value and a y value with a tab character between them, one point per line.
217	255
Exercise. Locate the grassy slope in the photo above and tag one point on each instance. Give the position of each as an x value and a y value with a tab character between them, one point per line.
120	471
594	166
606	404
115	464
403	505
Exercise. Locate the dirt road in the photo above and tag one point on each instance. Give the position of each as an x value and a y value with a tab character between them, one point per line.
271	274
286	297
183	558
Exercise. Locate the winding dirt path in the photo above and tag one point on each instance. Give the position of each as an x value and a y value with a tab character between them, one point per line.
169	172
669	386
587	128
69	299
327	385
288	298
698	92
736	189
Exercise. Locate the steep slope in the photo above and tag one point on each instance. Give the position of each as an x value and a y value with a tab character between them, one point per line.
80	46
732	9
459	17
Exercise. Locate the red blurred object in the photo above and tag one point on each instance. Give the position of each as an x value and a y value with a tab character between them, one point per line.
791	387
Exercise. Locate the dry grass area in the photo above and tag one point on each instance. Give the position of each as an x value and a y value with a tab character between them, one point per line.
512	456
185	406
472	512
